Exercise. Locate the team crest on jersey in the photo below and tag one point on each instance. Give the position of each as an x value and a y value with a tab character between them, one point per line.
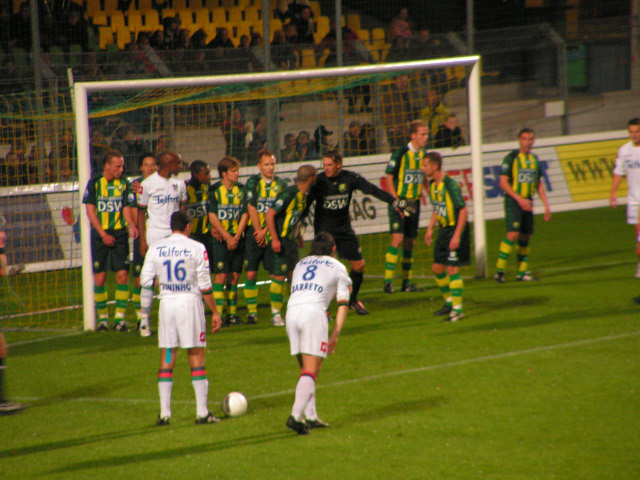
175	187
249	195
453	256
132	197
206	257
342	187
239	195
279	204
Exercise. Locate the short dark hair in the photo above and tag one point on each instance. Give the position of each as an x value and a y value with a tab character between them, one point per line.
197	166
226	163
633	121
333	155
110	155
264	153
417	125
525	130
434	158
179	221
305	172
146	155
322	244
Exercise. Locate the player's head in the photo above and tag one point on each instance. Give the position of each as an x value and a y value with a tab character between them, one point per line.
331	163
113	164
180	221
305	177
229	168
526	137
431	164
200	171
419	133
169	162
267	164
633	126
323	244
147	164
451	122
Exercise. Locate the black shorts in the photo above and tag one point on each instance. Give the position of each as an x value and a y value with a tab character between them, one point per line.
284	261
348	245
225	260
114	258
407	226
517	220
456	258
206	239
254	254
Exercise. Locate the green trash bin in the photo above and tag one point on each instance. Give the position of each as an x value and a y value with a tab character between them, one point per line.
577	66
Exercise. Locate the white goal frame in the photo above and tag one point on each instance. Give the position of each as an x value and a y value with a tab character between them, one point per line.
81	91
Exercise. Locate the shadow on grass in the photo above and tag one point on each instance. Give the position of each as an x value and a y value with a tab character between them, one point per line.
391	409
98	390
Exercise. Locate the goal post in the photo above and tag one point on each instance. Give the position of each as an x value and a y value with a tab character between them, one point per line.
287	80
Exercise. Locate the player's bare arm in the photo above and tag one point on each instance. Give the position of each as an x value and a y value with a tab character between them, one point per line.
613	200
341	318
428	236
524	204
462	221
259	233
108	240
270	218
244	219
128	216
222	234
142	230
390	186
216	321
543	196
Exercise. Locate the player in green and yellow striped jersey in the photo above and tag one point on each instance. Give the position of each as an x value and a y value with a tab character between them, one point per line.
404	181
228	218
107	199
198	203
260	194
452	248
519	179
281	218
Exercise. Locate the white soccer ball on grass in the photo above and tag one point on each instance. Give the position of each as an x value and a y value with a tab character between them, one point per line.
234	404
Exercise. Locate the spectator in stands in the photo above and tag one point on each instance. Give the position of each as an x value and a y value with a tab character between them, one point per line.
352	139
291	9
10	83
397	111
400	26
436	112
221	41
62	159
197	55
322	141
399	51
15	169
424	47
305	26
129	143
171	27
35	164
291	35
162	145
259	140
157	40
290	151
368	145
241	57
305	147
233	132
160	5
448	134
282	54
73	31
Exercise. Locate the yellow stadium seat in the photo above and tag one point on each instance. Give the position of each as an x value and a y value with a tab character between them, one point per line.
243	29
135	22
322	26
227	4
168	12
123	37
235	15
100	19
202	17
144	5
117	20
186	17
353	22
323	57
110	6
151	20
315	8
219	16
308	58
276	24
210	30
179	4
364	36
245	3
94	8
211	4
105	37
252	15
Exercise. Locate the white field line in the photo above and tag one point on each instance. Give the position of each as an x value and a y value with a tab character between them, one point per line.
426	368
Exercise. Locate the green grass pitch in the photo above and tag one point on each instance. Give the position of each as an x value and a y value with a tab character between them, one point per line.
538	381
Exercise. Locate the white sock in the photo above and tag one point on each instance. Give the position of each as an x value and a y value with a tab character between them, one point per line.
310	410
164	388
305	389
201	388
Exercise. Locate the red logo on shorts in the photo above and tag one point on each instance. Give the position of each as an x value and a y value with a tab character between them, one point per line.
324	347
206	257
203	336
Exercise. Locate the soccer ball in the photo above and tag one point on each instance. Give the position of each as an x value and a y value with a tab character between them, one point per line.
234	404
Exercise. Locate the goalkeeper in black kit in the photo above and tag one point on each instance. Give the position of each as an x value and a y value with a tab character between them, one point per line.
332	194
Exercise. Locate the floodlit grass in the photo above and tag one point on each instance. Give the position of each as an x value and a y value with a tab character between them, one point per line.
539	381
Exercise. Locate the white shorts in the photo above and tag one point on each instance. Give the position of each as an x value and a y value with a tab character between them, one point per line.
308	330
156	234
182	322
632	213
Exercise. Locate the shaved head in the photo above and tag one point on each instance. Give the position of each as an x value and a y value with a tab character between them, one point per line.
169	163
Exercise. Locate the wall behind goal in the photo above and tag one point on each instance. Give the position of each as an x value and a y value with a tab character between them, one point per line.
42	221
